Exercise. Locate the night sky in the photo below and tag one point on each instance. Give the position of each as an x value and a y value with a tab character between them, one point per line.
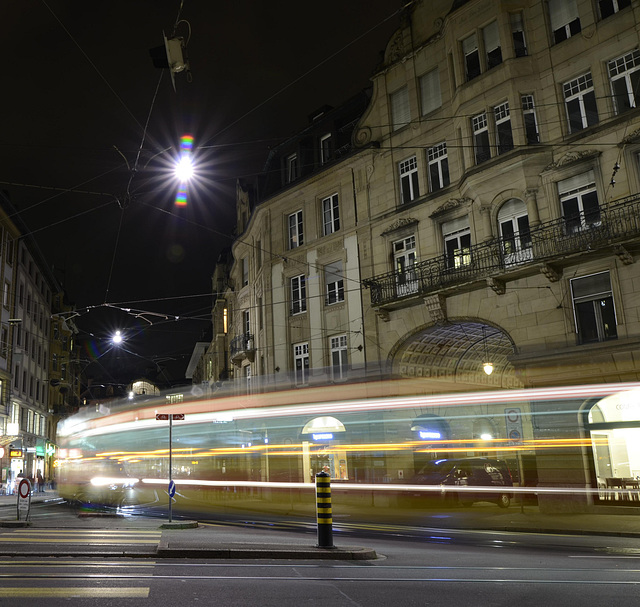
90	130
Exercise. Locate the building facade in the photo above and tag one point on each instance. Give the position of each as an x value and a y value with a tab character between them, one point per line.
479	231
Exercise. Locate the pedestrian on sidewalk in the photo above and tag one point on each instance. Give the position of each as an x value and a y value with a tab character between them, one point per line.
40	481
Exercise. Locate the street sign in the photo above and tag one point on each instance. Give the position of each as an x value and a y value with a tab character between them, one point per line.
24	499
172	488
174	416
161	416
179	416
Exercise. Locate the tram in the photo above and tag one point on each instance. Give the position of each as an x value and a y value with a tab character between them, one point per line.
566	449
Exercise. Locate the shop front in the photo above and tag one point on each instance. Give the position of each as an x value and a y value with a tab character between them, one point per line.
614	427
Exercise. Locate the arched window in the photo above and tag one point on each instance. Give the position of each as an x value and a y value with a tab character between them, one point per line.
515	235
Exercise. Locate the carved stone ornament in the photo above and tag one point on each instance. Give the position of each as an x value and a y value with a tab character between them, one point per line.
625	257
403	222
396	48
450	205
362	136
497	285
550	272
570	158
437	308
633	137
383	314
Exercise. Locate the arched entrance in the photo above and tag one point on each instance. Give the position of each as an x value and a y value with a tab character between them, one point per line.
456	353
321	438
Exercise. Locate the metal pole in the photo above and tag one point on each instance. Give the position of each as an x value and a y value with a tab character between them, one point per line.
323	509
170	464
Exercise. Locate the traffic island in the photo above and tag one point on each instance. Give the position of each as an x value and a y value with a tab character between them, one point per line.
179	525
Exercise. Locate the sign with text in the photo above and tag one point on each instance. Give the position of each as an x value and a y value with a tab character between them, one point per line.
174	416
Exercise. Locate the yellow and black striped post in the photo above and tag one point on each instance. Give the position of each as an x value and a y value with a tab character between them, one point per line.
323	509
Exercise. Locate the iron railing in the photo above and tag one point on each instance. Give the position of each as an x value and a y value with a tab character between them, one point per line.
561	237
241	343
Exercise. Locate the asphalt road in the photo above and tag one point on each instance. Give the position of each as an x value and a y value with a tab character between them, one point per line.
416	566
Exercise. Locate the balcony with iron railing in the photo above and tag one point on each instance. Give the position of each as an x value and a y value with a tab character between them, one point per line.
510	257
242	347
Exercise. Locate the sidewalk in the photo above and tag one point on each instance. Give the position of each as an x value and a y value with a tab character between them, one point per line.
108	535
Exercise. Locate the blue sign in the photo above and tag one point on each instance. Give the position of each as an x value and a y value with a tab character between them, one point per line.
172	488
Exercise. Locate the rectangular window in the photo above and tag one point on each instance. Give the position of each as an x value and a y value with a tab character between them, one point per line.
624	73
530	121
471	57
4	342
611	7
325	148
400	113
457	243
504	136
481	138
246	323
565	21
404	257
330	215
579	200
301	363
334	283
595	314
245	271
339	357
298	294
517	34
409	187
292	167
6	291
580	102
438	167
492	48
430	95
296	237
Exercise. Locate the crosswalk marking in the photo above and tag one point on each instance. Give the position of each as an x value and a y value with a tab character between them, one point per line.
15	592
81	536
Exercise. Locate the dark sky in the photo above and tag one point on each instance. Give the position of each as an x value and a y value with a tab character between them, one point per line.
81	91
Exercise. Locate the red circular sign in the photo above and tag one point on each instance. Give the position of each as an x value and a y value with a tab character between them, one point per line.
24	488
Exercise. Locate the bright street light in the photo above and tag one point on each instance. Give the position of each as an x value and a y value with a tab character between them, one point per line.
117	337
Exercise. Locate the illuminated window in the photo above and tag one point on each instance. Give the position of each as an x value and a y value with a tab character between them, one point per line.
579	199
225	320
296	235
457	243
404	256
595	314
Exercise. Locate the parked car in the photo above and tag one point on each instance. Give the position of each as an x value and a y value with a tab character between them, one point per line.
487	479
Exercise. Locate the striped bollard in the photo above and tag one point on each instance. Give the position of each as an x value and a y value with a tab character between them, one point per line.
323	509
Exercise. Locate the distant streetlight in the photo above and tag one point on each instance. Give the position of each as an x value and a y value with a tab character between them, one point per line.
117	338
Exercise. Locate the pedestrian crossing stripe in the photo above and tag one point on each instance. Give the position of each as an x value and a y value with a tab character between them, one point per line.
86	531
98	593
81	536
